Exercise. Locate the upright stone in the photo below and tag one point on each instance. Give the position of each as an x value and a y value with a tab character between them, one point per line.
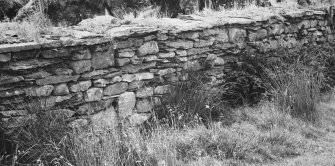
126	104
103	59
148	48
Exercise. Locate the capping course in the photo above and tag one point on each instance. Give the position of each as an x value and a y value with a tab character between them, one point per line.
101	81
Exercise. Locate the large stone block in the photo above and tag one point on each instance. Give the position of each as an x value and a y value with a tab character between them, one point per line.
148	48
61	90
126	103
103	59
5	57
93	94
115	89
80	66
237	36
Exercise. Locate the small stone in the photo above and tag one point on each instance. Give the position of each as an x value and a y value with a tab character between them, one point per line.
219	61
115	89
181	53
101	83
62	71
166	71
5	57
128	78
190	35
160	90
62	113
126	54
150	58
204	43
166	55
135	85
78	123
136	60
144	106
81	86
144	76
195	51
162	37
93	94
122	61
61	90
80	66
11	93
45	90
145	92
126	103
151	37
148	48
180	44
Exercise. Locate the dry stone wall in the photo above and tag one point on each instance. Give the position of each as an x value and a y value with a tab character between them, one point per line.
122	77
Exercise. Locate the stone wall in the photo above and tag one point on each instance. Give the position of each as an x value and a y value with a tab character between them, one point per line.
122	76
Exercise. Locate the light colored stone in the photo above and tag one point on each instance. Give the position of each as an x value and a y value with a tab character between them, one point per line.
160	90
128	77
192	65
145	92
181	53
150	58
126	103
183	44
166	71
45	90
93	94
222	35
81	86
37	75
78	123
138	119
237	36
166	55
28	64
122	61
204	43
148	48
219	61
11	92
115	89
61	90
5	57
81	66
144	76
276	29
127	54
104	120
144	106
162	37
195	51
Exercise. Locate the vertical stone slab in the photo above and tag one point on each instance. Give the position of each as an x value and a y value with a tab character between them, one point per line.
103	58
126	104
